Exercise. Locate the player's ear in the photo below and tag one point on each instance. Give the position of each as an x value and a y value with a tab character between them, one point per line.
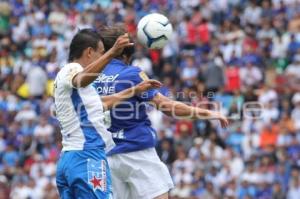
90	51
87	52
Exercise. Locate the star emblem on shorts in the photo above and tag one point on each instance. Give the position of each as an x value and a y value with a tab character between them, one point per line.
96	182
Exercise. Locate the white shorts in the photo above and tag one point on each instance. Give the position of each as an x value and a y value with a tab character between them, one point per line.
139	175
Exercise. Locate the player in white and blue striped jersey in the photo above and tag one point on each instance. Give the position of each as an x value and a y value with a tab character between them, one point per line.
82	170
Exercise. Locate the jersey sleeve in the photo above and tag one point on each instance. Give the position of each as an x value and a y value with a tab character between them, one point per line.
71	70
138	76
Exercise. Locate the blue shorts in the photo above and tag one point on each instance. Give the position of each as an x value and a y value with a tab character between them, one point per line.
83	174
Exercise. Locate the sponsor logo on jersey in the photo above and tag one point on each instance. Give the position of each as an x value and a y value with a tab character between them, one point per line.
105	90
106	78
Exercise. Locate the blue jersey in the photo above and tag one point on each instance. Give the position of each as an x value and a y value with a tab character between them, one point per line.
128	122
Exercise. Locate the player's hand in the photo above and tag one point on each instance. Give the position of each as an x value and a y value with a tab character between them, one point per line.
223	120
214	115
147	85
122	42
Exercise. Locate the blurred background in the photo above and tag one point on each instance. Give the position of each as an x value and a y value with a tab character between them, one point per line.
229	51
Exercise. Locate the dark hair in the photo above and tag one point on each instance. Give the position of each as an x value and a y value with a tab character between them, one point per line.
82	40
110	34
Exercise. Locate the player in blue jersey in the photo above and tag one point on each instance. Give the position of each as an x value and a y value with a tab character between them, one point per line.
82	170
137	172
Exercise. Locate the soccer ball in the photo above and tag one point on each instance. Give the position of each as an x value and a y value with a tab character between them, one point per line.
154	31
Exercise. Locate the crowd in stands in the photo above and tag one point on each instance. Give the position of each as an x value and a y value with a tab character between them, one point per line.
241	57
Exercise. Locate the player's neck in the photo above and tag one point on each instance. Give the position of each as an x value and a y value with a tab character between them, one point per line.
125	60
81	61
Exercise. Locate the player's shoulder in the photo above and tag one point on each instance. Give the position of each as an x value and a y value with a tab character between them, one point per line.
67	72
72	66
69	69
128	71
135	73
133	69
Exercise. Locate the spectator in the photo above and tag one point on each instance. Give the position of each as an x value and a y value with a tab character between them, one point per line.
26	114
252	14
293	70
296	111
189	71
268	136
165	152
11	157
143	62
36	80
250	75
295	190
214	75
44	131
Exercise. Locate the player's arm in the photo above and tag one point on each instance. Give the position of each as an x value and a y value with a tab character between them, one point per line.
179	109
112	100
86	76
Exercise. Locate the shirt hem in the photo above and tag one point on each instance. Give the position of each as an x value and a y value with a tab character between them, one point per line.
114	152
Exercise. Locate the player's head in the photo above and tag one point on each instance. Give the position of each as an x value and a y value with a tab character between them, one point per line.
86	45
110	34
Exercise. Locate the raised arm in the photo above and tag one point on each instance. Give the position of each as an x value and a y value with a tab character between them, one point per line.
112	100
178	109
87	76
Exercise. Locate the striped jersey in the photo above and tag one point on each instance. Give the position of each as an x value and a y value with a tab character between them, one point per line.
80	113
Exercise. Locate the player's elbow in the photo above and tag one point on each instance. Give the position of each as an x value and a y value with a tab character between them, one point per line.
79	84
80	81
166	108
164	104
